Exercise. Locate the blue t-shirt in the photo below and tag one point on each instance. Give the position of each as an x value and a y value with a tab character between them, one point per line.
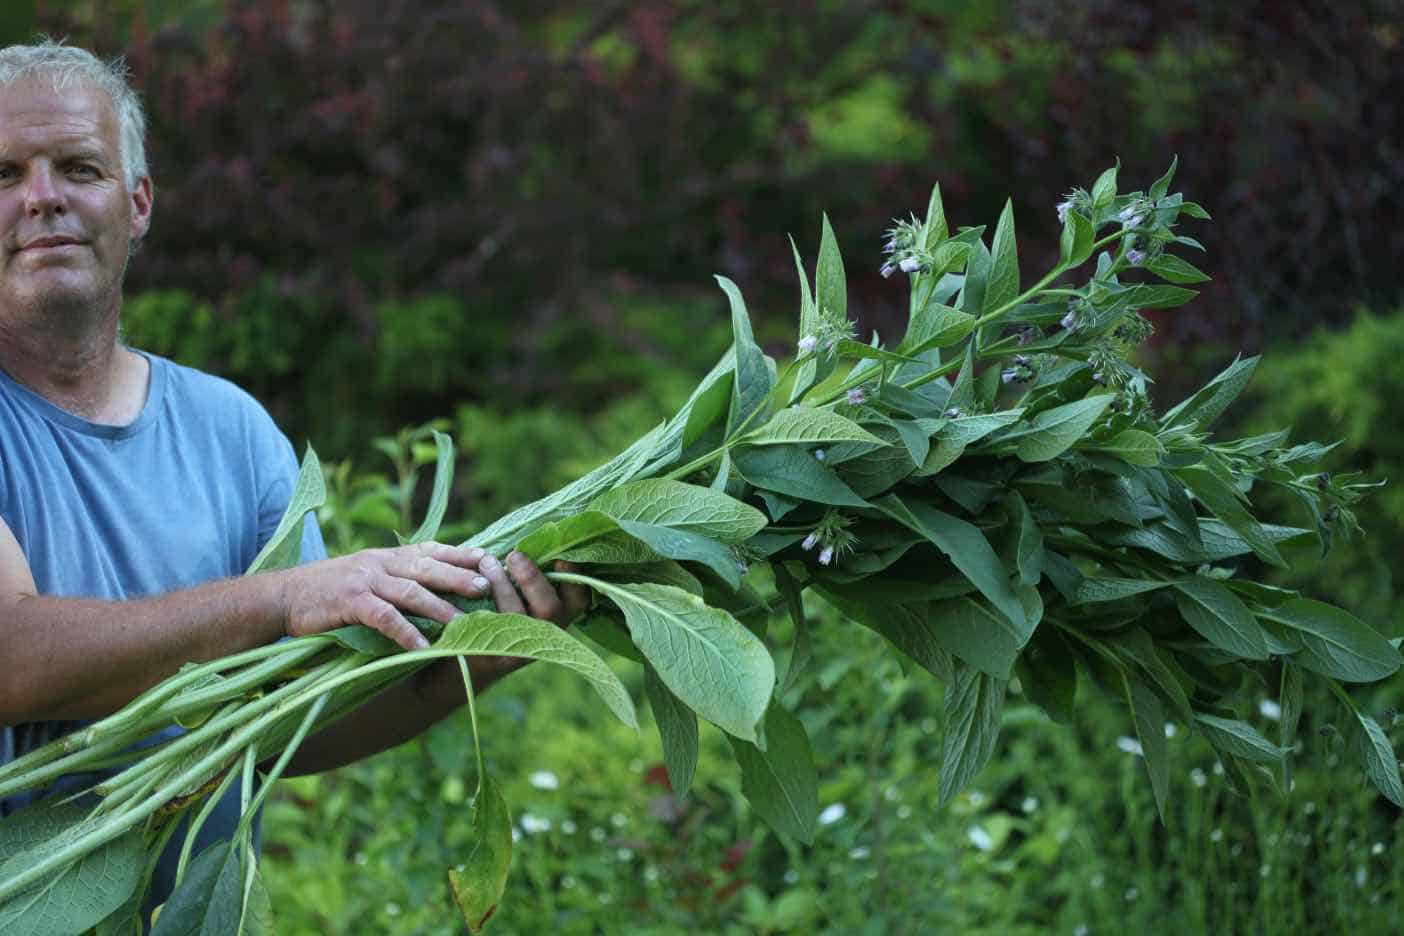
187	493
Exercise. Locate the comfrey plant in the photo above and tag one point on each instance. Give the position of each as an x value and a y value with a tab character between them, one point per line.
995	495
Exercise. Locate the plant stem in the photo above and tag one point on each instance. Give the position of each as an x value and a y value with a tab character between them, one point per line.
473	719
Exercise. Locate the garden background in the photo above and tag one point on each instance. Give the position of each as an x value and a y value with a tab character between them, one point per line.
506	216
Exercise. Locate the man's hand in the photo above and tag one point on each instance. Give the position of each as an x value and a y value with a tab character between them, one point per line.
542	600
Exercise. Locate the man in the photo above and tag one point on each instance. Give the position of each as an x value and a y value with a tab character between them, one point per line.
133	492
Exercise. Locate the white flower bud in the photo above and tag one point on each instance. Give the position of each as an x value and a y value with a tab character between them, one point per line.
807	344
826	555
910	265
857	396
810	541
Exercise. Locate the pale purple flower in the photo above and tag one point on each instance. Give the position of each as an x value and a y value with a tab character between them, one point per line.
952	413
807	344
1009	376
1137	257
890	246
810	541
819	454
910	265
1063	209
887	269
1068	321
832	813
857	396
826	555
1128	215
1021	359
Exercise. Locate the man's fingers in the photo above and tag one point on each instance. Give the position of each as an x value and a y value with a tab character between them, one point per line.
381	615
504	595
407	595
465	557
538	591
436	574
574	596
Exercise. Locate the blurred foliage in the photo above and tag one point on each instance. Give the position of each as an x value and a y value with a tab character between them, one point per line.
1345	386
417	203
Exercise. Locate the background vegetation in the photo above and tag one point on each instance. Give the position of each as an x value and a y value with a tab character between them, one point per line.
506	216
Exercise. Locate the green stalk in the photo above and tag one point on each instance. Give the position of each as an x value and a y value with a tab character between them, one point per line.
473	719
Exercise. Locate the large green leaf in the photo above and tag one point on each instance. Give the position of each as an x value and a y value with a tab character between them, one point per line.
908	627
830	284
561	536
209	899
705	656
1136	646
443	483
1335	643
1028	542
1176	270
807	424
709	407
935	325
677	730
967	548
1239	739
1075	243
686	546
682	506
1146	712
1381	764
793	470
977	634
780	782
284	549
1048	674
1208	403
1220	618
974	701
1054	431
76	897
1003	284
1096	589
753	380
497	633
480	880
1134	446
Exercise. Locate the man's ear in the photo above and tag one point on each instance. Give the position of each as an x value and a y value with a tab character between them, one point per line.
142	197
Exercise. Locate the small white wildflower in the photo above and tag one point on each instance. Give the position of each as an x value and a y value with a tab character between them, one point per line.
531	824
859	853
904	812
1265	870
1270	710
826	555
857	396
544	780
597	834
650	874
807	344
928	726
516	834
832	813
1309	808
605	897
1198	777
618	820
1130	746
976	798
1131	894
1377	848
361	858
567	881
624	854
1218	768
791	876
1080	930
818	454
392	909
1097	881
568	827
979	838
1217	835
1170	729
1029	805
892	794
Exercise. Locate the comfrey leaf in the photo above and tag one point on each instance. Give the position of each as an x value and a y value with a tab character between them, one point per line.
479	881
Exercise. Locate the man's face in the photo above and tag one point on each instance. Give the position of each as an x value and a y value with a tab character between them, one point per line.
67	219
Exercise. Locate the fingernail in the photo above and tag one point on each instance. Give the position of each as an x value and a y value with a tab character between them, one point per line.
420	643
475	554
481	583
516	559
489	563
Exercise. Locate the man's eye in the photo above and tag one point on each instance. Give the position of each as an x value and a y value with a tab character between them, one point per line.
83	171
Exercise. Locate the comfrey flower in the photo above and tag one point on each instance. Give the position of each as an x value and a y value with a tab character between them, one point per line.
911	265
857	396
818	454
1076	200
952	413
826	555
831	536
807	344
887	269
810	541
1131	215
1136	257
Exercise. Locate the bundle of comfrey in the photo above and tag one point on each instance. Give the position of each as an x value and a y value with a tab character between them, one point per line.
994	495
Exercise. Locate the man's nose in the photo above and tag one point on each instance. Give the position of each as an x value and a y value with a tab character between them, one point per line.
42	196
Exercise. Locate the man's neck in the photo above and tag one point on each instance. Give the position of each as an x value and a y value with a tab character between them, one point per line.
88	374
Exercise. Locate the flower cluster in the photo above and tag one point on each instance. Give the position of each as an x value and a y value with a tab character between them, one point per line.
905	249
831	536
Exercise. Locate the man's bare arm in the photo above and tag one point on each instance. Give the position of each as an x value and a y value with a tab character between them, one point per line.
66	658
